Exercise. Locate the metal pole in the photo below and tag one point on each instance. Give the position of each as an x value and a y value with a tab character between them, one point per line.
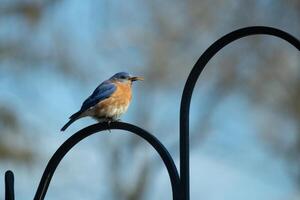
80	135
192	79
9	185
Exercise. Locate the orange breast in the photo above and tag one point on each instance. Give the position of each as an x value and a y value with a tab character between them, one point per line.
117	103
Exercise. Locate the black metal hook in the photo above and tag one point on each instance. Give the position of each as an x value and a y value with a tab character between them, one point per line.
80	135
9	185
192	79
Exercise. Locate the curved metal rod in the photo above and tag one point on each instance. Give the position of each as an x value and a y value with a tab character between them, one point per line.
9	185
80	135
192	79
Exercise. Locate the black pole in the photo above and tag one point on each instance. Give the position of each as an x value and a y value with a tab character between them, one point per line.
192	79
80	135
9	185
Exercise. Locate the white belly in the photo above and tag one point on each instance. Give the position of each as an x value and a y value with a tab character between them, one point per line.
112	112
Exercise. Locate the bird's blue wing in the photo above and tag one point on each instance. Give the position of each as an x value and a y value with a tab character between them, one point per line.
103	91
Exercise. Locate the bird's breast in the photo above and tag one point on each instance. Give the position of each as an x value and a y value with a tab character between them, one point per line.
116	104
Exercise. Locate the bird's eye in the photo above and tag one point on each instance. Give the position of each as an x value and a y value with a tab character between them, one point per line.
123	77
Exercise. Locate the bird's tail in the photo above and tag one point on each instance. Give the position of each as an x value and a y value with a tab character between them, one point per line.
72	118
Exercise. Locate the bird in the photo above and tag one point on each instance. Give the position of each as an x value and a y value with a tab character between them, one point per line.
109	100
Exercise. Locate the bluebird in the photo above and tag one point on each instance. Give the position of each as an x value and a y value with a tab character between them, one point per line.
108	101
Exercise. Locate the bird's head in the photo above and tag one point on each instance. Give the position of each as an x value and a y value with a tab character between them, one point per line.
125	77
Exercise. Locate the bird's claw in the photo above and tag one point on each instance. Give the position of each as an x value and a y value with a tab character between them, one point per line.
108	123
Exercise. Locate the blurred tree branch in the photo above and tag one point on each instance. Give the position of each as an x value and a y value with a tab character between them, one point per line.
30	10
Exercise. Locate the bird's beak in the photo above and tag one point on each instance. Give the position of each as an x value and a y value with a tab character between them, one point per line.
136	78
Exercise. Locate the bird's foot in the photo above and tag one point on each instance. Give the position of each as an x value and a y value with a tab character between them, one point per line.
108	123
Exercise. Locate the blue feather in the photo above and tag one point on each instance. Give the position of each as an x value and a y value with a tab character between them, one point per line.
103	91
